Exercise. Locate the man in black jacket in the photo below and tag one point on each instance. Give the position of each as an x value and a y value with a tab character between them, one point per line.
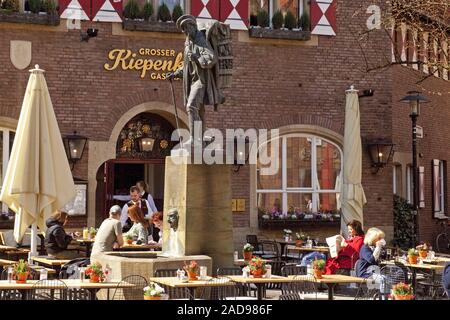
56	238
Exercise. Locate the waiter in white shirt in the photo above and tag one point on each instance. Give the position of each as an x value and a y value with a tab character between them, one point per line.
146	195
135	200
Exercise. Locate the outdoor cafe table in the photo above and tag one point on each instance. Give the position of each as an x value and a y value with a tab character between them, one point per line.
418	266
50	263
260	282
174	282
70	283
330	281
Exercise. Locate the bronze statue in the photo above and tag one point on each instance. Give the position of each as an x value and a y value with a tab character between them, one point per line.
201	67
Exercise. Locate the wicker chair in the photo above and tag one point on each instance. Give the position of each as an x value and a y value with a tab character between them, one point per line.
174	293
49	290
134	293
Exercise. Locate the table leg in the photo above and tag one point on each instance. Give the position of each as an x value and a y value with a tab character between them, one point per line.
282	246
414	280
330	290
93	294
88	249
191	293
260	290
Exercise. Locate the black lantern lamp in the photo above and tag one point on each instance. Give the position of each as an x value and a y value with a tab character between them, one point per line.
415	99
146	144
74	146
241	152
380	154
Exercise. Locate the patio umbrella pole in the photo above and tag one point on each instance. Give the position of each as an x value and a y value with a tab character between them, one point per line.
33	244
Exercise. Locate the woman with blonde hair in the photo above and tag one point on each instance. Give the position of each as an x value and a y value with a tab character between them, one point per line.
370	252
139	230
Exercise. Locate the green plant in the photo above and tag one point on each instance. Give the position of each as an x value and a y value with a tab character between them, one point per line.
412	252
147	11
304	22
95	269
262	19
177	12
290	22
257	264
248	247
403	223
301	236
402	289
21	267
164	13
131	10
319	264
35	5
129	237
277	20
10	5
49	6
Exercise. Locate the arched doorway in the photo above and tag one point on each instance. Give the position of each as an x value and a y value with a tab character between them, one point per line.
141	148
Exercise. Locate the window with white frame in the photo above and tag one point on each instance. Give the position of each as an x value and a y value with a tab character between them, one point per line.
6	142
439	187
308	179
296	7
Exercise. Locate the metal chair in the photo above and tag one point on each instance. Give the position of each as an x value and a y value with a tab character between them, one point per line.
8	294
221	288
49	290
245	290
253	240
393	275
270	250
276	265
293	287
75	293
290	297
174	293
291	255
134	293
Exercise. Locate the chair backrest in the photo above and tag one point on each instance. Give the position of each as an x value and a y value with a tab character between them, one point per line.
70	269
292	269
134	293
276	265
49	290
393	275
269	247
252	239
174	293
290	296
229	271
166	272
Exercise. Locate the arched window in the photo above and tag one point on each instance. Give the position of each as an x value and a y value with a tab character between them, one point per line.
6	142
308	179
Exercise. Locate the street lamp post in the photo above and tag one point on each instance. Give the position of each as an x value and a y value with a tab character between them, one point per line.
414	99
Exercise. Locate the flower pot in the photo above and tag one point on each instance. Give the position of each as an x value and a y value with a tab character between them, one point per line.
22	277
129	241
318	274
412	259
152	297
257	273
248	255
192	276
403	297
299	243
423	254
94	278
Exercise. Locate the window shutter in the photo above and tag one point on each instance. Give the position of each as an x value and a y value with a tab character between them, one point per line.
421	187
235	13
107	11
436	187
323	17
75	9
205	9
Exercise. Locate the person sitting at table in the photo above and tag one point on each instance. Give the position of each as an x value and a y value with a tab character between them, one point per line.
56	239
370	252
143	188
139	229
349	253
446	279
157	227
135	200
109	235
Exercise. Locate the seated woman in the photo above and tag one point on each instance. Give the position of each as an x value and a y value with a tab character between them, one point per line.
370	252
56	240
139	229
349	253
157	227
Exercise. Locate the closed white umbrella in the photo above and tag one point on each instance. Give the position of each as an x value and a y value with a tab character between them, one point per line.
353	197
38	180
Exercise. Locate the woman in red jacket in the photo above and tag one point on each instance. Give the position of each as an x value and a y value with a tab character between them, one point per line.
349	253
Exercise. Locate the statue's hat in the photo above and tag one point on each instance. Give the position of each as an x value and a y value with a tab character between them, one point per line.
184	19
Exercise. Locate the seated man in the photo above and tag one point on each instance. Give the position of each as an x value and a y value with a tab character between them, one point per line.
109	234
56	238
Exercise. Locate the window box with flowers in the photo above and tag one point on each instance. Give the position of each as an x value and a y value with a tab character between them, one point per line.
288	21
144	19
41	12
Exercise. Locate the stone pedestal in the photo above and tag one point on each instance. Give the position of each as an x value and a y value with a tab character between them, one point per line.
202	195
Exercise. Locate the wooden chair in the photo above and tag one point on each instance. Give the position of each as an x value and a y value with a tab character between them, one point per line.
134	293
174	293
49	290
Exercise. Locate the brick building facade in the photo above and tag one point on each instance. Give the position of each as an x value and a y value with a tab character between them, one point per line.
295	86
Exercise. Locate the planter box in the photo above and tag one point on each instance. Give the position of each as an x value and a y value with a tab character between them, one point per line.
286	223
30	18
279	34
149	26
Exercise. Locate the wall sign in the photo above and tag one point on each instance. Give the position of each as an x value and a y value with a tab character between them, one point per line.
151	63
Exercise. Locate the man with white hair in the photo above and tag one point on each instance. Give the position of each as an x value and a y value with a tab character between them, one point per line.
109	234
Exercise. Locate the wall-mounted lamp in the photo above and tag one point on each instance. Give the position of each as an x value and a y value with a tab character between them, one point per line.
380	153
241	152
367	93
90	33
146	144
74	146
